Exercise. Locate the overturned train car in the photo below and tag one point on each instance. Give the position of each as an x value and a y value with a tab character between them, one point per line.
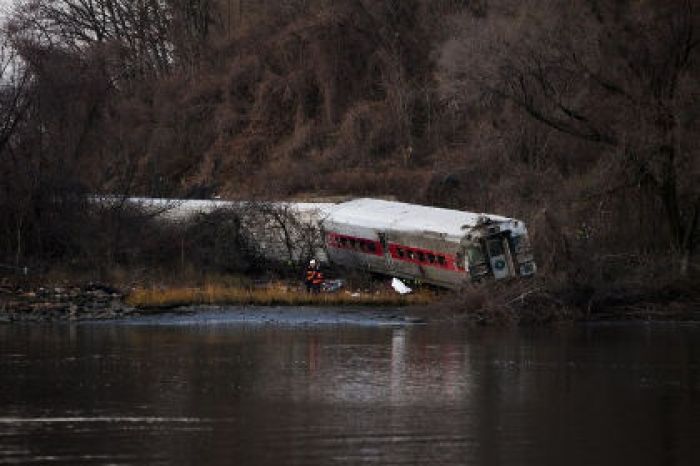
447	248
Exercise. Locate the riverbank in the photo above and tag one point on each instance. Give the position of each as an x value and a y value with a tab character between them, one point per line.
98	301
546	302
516	303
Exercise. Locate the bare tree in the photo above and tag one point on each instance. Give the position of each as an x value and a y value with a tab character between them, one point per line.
617	76
282	232
14	97
142	37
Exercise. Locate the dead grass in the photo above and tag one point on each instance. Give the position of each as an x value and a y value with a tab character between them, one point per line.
268	296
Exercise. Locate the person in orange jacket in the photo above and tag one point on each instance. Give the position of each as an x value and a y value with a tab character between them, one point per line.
313	278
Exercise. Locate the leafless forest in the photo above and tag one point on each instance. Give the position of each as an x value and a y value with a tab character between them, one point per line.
582	118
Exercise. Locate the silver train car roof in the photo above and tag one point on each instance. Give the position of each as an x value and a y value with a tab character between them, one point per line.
390	215
369	213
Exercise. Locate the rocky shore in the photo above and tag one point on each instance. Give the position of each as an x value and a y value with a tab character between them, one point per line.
92	301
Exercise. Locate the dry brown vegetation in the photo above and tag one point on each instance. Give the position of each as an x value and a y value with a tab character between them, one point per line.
273	294
582	119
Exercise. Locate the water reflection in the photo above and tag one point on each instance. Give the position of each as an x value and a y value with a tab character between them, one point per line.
398	363
216	394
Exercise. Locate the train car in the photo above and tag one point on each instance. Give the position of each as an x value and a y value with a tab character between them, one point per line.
443	247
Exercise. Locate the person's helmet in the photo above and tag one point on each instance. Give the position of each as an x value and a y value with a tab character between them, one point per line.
312	262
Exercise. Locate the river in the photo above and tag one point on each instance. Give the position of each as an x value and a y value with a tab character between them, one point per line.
215	390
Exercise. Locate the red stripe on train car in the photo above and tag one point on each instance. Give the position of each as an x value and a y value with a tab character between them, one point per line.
397	251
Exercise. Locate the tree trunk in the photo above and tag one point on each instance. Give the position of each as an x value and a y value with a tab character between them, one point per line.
688	240
18	252
668	132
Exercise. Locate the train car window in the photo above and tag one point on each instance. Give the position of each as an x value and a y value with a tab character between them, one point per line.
441	260
399	252
372	247
421	257
495	248
353	245
475	255
410	254
431	258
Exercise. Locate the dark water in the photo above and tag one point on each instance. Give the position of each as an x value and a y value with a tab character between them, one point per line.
195	391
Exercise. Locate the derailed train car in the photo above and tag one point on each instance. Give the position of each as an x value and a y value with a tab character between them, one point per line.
444	247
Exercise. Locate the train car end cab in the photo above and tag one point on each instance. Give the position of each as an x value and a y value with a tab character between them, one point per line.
500	249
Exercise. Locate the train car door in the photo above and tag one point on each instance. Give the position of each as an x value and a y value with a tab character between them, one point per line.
384	241
497	257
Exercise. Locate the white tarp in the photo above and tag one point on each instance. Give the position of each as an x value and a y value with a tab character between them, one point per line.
399	286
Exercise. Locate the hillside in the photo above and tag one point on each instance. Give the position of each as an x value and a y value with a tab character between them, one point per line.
582	120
